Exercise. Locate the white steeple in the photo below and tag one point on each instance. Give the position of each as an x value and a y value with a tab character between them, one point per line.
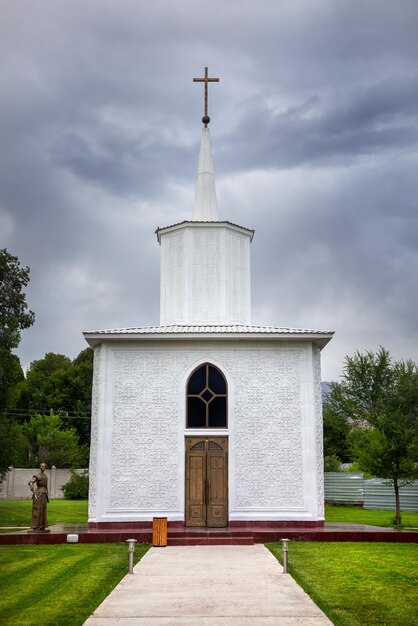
205	208
205	263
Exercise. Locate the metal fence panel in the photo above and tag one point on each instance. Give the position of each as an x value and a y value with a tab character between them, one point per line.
344	487
378	494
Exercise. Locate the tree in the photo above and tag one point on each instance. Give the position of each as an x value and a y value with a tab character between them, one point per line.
80	385
47	439
59	384
336	432
12	375
77	487
381	398
14	317
13	445
45	386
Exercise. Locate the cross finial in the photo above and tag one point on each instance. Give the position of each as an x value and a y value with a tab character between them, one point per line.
206	80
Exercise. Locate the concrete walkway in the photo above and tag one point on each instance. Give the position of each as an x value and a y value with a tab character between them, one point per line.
208	586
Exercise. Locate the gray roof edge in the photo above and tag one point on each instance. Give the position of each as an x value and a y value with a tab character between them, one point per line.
175	329
195	223
176	332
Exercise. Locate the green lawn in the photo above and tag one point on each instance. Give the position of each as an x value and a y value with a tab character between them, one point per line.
18	512
357	515
358	584
59	584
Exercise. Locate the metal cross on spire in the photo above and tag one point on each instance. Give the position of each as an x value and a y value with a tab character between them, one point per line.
206	80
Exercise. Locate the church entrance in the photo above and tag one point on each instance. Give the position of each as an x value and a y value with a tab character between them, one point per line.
207	481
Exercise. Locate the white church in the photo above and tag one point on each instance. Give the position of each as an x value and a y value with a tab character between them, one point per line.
206	419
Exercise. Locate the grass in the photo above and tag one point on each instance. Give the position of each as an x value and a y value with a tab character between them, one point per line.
59	584
357	515
18	512
358	584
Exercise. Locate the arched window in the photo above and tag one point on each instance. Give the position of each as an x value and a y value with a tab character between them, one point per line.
206	398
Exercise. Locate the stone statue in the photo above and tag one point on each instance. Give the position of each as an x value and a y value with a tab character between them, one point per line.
39	487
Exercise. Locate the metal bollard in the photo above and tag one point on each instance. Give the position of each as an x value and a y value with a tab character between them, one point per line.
131	543
285	554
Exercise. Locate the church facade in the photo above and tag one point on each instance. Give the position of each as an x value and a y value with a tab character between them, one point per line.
206	419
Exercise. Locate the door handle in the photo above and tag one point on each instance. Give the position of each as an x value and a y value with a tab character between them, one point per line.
207	491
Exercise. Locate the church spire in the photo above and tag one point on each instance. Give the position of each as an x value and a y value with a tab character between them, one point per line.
205	207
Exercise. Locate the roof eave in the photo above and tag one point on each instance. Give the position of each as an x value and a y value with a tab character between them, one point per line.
319	339
195	224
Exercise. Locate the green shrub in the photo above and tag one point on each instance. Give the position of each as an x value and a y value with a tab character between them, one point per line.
332	463
77	487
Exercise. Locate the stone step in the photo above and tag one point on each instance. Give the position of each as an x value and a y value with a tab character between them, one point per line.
208	533
211	541
227	536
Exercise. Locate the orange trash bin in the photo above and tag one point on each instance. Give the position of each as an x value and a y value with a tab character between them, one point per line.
159	532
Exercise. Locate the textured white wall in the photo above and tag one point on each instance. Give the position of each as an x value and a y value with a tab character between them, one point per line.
205	275
274	429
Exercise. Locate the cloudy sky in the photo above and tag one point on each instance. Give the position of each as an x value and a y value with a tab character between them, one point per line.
315	144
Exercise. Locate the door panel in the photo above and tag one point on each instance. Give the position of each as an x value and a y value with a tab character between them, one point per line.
217	500
195	487
207	481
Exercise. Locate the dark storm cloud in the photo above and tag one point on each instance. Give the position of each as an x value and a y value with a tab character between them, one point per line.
384	117
124	165
315	140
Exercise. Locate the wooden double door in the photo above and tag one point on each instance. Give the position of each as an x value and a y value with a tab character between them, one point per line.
207	481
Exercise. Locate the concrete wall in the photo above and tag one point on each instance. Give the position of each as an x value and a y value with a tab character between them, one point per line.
15	484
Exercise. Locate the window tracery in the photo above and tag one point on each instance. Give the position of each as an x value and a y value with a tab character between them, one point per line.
207	398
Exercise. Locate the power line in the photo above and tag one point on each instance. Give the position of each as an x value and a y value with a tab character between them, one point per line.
32	411
33	414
